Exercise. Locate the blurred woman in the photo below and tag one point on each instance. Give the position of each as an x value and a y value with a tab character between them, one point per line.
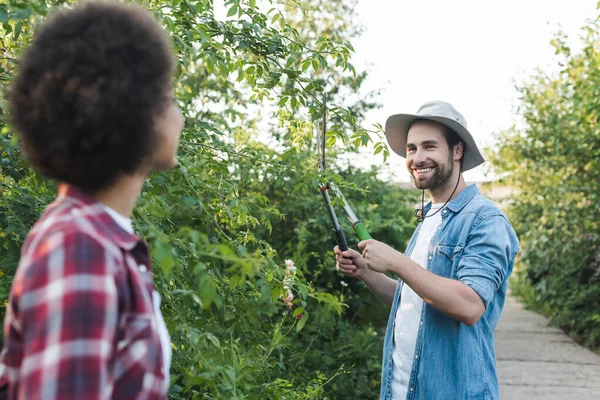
93	105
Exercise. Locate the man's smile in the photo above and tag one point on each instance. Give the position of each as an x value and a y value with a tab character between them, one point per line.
420	172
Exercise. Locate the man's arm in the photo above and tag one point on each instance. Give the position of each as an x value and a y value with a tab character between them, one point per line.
450	296
482	269
381	285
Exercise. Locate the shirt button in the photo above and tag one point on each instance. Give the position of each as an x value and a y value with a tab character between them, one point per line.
412	389
444	211
430	257
388	390
143	268
421	323
416	356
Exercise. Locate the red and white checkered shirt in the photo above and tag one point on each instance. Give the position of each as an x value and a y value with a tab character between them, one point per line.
80	322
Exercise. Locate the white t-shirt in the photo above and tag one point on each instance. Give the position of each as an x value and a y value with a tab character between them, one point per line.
165	339
408	315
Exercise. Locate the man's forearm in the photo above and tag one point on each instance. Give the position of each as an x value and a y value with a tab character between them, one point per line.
381	285
449	296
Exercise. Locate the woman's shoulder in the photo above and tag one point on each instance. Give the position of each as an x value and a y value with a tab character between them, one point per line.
66	230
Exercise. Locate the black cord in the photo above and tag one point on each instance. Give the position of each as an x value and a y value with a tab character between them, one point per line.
419	214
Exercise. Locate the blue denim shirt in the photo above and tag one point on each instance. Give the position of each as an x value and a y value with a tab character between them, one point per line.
476	245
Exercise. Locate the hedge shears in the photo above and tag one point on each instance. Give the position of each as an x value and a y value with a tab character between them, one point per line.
358	226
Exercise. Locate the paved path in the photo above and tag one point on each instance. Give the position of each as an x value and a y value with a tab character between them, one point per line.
538	362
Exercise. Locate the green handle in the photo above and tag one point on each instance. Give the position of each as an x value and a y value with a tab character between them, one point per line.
361	231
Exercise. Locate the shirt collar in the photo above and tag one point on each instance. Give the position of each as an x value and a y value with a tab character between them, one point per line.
96	212
463	198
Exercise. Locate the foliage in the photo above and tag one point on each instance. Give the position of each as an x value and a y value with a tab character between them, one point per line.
554	168
243	199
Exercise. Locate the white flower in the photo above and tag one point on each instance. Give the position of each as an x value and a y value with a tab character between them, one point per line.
289	298
343	283
290	268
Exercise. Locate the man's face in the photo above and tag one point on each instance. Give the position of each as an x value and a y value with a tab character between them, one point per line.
428	158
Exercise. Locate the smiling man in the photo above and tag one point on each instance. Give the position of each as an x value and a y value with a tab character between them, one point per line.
453	277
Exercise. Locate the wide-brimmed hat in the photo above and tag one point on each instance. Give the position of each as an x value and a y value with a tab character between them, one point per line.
396	130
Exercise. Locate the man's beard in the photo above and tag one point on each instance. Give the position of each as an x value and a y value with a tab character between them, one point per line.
443	172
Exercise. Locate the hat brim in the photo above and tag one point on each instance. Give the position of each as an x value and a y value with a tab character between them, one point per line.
396	132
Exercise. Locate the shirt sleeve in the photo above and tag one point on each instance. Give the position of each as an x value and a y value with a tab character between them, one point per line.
488	256
68	314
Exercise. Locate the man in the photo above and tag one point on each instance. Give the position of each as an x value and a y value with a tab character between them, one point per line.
453	278
94	108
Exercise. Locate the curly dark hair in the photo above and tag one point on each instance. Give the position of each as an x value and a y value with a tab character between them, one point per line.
87	93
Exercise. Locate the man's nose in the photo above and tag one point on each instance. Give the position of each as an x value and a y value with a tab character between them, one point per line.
419	156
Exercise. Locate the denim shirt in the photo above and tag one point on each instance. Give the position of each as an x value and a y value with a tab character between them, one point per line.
476	245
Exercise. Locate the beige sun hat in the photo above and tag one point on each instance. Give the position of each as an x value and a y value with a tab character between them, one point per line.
396	130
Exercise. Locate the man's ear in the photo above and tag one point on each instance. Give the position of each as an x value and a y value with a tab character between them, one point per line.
458	151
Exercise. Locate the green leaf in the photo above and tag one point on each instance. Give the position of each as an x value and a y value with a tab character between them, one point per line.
3	15
208	290
305	65
315	64
275	293
302	322
298	311
322	61
265	291
213	340
197	299
189	201
22	14
282	101
17	31
303	291
163	254
232	11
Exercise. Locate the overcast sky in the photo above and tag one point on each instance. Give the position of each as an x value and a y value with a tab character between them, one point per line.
466	52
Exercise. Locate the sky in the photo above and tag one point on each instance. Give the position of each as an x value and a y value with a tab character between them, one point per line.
469	53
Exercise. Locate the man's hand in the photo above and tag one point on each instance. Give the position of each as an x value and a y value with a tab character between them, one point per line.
379	256
352	264
349	262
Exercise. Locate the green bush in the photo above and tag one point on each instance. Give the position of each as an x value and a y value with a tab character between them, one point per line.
553	165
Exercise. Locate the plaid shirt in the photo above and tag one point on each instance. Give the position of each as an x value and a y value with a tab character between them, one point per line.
80	323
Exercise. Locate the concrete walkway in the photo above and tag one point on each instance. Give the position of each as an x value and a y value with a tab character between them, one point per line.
538	362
